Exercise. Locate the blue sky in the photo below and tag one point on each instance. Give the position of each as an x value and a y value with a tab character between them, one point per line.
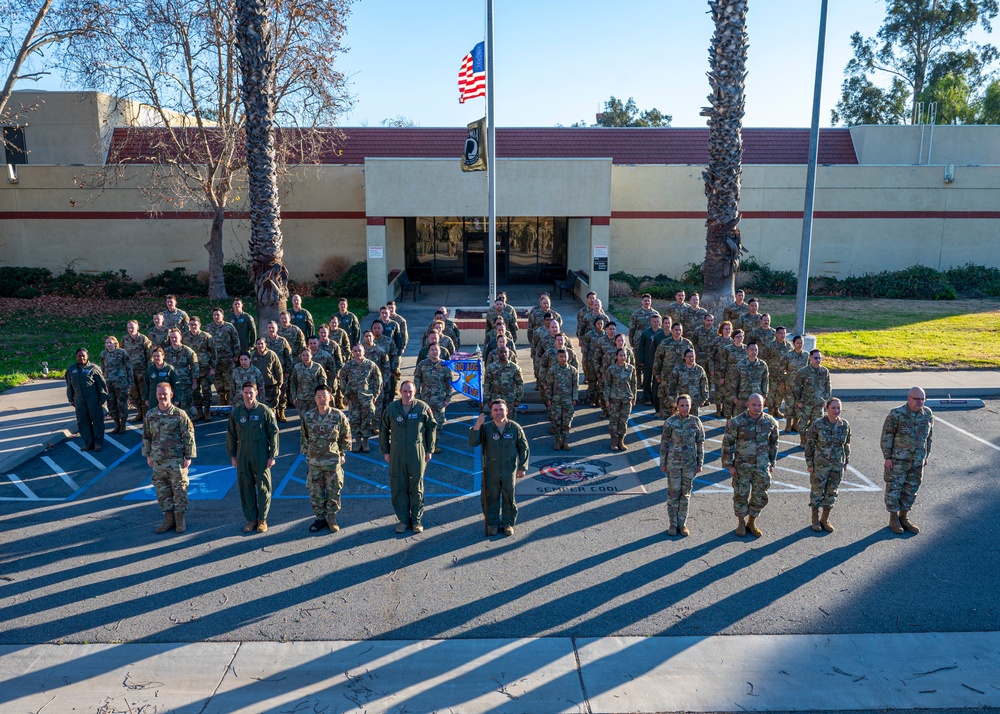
558	61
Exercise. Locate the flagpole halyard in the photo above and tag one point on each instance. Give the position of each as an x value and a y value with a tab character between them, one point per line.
491	157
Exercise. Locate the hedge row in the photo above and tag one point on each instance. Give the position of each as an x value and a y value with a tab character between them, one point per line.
917	282
29	283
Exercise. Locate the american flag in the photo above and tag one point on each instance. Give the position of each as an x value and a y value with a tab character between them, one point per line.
472	75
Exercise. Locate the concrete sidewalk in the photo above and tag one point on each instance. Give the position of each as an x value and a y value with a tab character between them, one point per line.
926	672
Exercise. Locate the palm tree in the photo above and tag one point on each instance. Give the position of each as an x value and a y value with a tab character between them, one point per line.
255	37
727	63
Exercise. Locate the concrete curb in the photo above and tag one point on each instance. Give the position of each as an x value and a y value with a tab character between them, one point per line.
38	446
932	393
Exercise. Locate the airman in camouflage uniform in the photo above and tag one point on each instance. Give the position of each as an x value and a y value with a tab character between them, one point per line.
620	389
773	353
377	355
451	328
331	362
562	385
324	440
645	354
582	327
694	316
703	336
338	335
227	347
536	318
203	345
750	320
790	364
276	396
246	329
361	383
159	334
117	368
140	352
732	353
297	342
718	355
751	441
443	352
812	389
432	380
306	376
682	456
544	338
168	445
349	323
592	375
677	309
502	309
608	358
157	371
402	336
551	358
748	376
764	334
499	330
669	354
906	446
300	317
185	362
271	371
173	317
689	378
603	346
640	320
828	451
386	341
502	341
246	372
503	380
736	310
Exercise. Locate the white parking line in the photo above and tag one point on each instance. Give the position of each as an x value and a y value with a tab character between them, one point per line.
85	455
29	494
119	445
963	431
62	474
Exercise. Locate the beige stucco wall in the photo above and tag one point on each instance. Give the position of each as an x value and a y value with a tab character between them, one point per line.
977	145
144	246
525	187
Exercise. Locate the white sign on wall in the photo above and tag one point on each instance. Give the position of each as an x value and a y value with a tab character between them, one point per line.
376	252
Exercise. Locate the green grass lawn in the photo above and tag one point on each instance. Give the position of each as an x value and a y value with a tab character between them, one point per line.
51	329
887	335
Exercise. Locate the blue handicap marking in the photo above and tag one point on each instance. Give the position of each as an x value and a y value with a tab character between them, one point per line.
205	483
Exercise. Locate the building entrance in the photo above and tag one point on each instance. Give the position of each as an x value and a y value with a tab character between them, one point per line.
476	249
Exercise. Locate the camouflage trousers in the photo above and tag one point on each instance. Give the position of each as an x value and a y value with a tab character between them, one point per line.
779	394
680	480
823	484
807	415
667	401
361	415
590	377
438	411
202	393
185	394
118	400
135	390
561	415
272	395
282	400
901	485
171	482
224	379
750	489
325	481
729	407
619	410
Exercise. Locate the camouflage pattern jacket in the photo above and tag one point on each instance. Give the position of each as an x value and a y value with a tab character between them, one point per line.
168	436
751	442
906	435
324	437
682	442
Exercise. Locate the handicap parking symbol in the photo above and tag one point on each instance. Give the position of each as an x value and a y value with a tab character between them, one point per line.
205	483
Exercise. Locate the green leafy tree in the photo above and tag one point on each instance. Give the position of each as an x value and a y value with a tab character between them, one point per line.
619	113
919	45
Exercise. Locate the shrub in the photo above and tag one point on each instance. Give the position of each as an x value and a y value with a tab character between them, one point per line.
622	277
176	281
13	280
238	278
333	269
975	280
693	275
917	282
761	279
620	288
353	283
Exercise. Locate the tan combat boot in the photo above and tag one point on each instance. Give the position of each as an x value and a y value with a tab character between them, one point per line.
280	415
565	442
168	522
825	520
752	528
614	440
682	530
672	530
741	527
331	522
816	524
357	446
894	524
364	444
907	524
621	443
181	526
557	443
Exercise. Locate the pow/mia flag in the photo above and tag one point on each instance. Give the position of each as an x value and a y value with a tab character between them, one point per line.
474	155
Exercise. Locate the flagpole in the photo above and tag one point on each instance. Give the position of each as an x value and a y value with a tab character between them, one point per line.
491	160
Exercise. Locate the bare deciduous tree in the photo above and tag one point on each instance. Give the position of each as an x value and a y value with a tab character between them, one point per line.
180	57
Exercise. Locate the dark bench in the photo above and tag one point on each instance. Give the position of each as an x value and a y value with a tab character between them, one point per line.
568	284
406	285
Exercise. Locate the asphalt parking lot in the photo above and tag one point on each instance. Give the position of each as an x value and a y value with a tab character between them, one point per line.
79	561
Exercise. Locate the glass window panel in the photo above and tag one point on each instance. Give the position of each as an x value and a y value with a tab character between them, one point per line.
523	242
449	263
